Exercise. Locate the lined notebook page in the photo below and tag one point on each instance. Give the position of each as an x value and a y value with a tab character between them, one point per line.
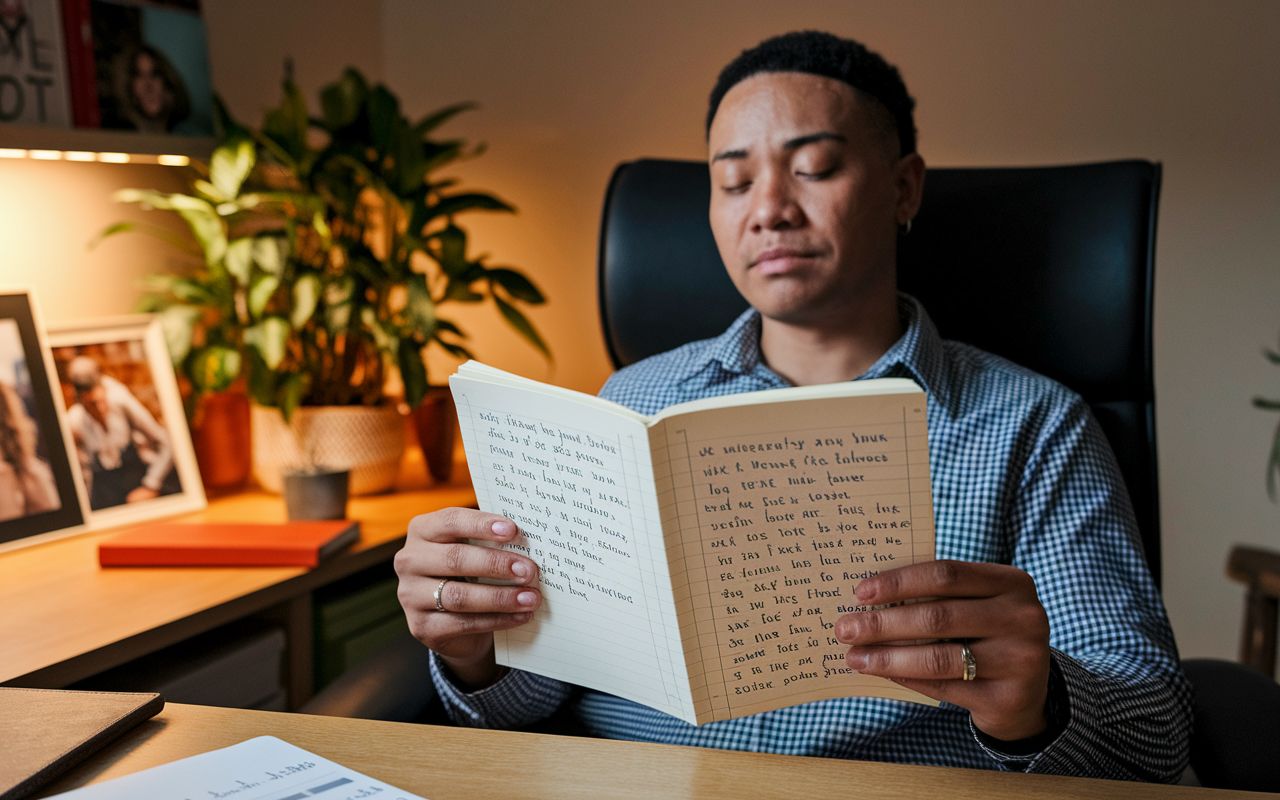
775	513
574	477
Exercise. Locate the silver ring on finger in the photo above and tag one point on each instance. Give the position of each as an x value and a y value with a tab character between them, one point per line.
439	596
970	663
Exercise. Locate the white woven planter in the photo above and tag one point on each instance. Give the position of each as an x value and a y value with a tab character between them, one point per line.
368	440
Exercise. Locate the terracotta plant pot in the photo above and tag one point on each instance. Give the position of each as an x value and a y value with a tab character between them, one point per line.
436	423
220	435
368	440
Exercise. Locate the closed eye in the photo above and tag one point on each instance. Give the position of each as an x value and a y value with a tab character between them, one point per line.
738	188
817	176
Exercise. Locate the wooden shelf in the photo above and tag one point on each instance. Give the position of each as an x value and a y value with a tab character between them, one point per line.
24	137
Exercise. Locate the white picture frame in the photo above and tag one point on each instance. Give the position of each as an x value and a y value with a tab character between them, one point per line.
126	349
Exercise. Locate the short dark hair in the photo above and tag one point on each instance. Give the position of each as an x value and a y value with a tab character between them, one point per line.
829	56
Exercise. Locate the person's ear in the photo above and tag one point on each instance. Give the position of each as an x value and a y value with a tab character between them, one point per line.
909	180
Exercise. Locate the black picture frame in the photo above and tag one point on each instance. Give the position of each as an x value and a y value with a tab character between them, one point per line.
19	306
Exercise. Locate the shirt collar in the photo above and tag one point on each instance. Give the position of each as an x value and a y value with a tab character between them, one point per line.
917	354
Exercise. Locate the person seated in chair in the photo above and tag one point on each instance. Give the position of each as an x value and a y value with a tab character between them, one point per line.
815	176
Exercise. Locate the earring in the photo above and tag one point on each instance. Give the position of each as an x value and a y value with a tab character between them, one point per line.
905	229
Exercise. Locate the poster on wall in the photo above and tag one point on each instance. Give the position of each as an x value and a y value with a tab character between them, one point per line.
125	418
39	493
139	65
33	69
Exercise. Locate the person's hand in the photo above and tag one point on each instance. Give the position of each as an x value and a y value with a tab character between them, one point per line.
462	634
993	606
140	494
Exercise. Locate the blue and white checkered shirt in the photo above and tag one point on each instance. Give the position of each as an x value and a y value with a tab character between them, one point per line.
1022	475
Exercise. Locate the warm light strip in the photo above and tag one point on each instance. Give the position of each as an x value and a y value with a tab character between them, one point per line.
85	155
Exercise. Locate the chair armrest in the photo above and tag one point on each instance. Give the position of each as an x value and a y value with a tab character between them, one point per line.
1236	737
1255	567
393	684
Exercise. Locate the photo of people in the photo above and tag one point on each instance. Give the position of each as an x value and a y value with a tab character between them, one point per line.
116	422
152	67
27	485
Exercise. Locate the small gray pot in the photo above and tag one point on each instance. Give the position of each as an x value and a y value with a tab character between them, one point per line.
316	494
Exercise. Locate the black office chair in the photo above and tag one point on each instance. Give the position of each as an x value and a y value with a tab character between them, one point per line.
1051	267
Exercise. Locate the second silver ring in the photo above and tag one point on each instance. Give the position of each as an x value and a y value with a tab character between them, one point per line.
970	663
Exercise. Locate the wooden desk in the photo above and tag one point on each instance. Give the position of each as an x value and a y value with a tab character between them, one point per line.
445	763
63	618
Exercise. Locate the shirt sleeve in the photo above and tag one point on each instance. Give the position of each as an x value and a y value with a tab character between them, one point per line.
1128	703
518	699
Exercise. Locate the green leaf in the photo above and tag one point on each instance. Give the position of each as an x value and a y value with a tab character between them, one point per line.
270	253
1269	405
306	294
382	338
239	259
421	309
271	338
460	291
384	113
337	318
436	118
446	325
224	124
261	293
523	327
286	125
517	285
1272	356
213	369
178	322
340	102
200	216
290	394
231	163
413	372
455	350
191	291
453	250
455	204
150	230
261	379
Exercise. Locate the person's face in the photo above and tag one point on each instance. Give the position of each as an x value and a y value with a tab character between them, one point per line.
95	402
148	86
807	194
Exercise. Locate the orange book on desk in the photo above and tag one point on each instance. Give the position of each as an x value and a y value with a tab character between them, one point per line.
224	544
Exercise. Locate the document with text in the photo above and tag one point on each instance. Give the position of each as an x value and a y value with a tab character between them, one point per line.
696	561
265	768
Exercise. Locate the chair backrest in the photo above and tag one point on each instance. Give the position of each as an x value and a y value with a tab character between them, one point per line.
1050	267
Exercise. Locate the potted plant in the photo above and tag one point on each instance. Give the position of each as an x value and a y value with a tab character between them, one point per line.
323	266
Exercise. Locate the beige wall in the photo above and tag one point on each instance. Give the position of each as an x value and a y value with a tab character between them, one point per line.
571	88
568	89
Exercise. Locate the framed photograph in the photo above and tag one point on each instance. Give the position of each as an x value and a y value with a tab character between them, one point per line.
39	493
125	420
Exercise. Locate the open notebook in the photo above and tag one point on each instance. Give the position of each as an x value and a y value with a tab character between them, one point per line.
696	561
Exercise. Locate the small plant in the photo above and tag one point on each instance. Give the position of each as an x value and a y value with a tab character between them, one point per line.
1273	463
324	261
